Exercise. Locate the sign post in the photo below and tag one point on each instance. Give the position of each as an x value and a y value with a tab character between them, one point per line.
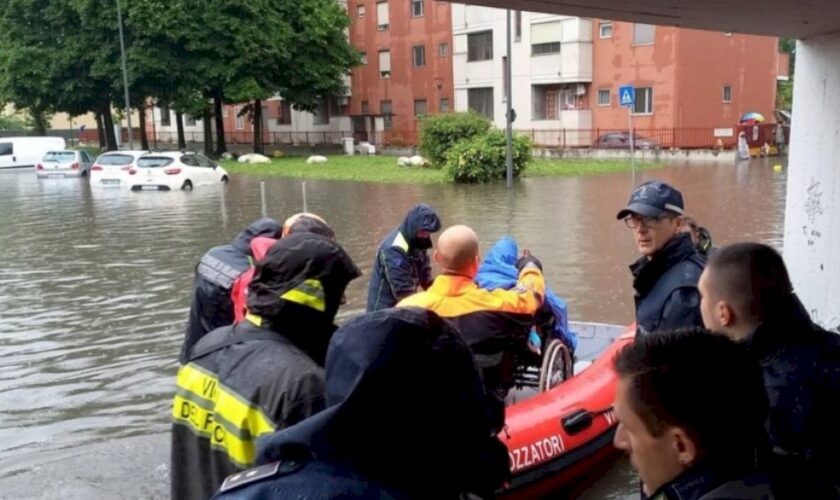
627	98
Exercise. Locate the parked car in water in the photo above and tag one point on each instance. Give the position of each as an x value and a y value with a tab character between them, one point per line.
66	163
621	140
111	169
174	170
21	152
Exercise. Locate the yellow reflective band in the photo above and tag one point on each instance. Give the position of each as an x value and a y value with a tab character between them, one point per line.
253	318
400	242
212	410
310	293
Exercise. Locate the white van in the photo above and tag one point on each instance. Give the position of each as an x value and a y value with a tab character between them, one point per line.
20	152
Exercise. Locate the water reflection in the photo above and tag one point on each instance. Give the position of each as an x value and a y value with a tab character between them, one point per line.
95	284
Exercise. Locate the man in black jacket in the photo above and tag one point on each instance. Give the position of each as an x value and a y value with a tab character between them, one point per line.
747	294
407	417
212	305
665	277
261	374
401	266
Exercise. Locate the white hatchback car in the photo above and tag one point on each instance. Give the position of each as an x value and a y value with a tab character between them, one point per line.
65	163
164	171
111	169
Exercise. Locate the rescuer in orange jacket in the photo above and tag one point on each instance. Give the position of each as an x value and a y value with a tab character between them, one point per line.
495	324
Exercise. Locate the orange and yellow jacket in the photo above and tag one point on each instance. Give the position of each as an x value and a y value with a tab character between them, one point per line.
494	323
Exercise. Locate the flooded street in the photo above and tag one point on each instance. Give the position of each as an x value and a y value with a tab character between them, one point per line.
95	287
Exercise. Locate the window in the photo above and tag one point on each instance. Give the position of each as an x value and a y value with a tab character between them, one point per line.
443	49
418	56
284	113
188	160
604	97
444	104
165	118
224	111
203	161
382	16
363	57
517	26
416	8
643	34
644	101
387	116
727	93
6	148
419	108
360	11
322	114
240	120
189	120
365	107
481	101
605	30
538	49
384	64
480	46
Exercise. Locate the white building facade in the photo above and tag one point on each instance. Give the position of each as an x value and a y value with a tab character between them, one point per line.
551	72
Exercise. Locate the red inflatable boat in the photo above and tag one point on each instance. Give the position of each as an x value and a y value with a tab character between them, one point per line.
556	436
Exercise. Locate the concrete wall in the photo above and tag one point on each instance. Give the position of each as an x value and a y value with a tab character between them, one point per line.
812	212
431	82
707	61
618	62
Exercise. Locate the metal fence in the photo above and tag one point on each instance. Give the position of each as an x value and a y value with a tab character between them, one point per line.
644	138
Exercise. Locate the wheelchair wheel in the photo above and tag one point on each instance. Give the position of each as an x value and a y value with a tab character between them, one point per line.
556	366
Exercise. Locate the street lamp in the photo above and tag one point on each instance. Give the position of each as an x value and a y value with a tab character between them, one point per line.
125	77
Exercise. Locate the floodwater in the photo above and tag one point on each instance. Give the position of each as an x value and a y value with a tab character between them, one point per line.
95	287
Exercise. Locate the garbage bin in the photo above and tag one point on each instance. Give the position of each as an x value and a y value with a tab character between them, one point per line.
348	145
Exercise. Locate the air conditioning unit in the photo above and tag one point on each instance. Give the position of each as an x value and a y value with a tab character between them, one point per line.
580	89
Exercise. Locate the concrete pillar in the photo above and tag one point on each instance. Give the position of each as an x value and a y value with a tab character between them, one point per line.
812	212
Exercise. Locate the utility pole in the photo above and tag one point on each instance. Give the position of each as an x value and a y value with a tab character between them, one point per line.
509	113
125	77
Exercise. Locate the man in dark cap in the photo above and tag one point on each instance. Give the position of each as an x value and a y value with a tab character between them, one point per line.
212	305
387	433
666	276
261	374
401	266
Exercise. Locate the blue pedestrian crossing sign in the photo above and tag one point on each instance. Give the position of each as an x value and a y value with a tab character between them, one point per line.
627	95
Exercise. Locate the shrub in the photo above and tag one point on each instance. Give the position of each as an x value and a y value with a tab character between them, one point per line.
440	132
482	158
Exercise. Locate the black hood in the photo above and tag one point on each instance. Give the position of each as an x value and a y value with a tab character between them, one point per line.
297	289
406	408
263	226
421	217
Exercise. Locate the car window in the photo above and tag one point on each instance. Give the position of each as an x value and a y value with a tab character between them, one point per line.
203	161
118	160
189	160
85	157
6	148
60	156
153	161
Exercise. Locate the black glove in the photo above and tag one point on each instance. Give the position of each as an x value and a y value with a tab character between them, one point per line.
526	259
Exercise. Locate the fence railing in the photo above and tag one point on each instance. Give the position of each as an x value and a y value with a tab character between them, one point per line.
599	138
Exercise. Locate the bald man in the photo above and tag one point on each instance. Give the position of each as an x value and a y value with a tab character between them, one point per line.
494	323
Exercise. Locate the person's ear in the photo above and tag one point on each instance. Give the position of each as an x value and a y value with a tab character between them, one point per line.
683	446
726	314
436	258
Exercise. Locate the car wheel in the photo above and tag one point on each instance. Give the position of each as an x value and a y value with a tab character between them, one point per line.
224	179
188	186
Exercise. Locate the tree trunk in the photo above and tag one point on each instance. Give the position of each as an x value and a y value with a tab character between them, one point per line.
258	127
206	119
108	122
179	124
144	139
40	122
100	131
221	147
